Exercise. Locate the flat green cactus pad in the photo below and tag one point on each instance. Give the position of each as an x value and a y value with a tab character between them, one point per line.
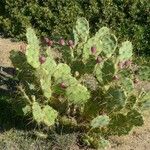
125	51
109	45
81	30
32	52
77	94
46	87
49	66
61	70
127	84
100	121
49	116
131	102
115	98
46	115
108	71
119	125
135	118
37	112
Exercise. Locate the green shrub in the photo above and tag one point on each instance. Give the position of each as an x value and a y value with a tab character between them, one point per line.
130	19
90	88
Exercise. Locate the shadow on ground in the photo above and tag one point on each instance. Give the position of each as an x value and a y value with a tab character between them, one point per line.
8	118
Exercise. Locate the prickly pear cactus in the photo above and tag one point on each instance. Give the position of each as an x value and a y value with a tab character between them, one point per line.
94	92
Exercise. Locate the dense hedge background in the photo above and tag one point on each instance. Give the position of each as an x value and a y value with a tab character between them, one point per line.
130	19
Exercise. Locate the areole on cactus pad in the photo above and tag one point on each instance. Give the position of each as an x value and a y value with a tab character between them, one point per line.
88	83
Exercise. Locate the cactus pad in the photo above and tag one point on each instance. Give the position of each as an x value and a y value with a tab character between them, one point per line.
109	45
131	101
32	52
37	112
77	94
127	84
125	51
100	121
81	30
135	118
108	71
115	98
61	71
49	115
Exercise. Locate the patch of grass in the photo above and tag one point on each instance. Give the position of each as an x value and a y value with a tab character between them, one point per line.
23	140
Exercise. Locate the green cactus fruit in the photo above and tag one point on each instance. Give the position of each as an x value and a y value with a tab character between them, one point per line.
37	112
135	118
100	121
115	98
32	52
127	84
77	95
81	30
125	51
49	115
108	71
131	101
144	73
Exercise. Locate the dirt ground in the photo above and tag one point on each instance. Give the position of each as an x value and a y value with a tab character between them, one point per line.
139	139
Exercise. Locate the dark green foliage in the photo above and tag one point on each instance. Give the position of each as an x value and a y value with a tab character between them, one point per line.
129	19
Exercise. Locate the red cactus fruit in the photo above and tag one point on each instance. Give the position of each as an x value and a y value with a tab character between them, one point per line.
115	77
70	43
93	49
23	48
46	40
121	65
99	59
128	63
50	43
42	59
136	81
63	85
62	42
